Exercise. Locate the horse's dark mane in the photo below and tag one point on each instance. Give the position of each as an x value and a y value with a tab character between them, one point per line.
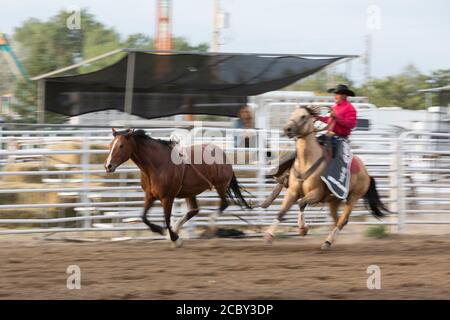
141	134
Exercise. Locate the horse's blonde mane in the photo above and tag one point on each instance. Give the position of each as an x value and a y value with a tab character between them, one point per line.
312	109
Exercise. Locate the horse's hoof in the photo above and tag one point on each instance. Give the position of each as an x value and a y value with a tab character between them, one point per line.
303	231
326	246
268	238
177	243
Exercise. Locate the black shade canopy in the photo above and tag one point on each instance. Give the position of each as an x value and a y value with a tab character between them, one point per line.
177	83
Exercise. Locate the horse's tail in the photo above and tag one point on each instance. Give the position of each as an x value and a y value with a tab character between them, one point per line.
373	202
234	192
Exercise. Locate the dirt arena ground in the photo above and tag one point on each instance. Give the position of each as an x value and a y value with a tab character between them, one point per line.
412	267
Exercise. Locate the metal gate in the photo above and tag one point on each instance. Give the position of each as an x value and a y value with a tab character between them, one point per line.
54	181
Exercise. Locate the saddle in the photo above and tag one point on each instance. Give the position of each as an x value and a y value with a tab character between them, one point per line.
281	173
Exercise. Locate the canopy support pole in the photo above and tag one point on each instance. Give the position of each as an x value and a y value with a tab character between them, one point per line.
129	85
40	102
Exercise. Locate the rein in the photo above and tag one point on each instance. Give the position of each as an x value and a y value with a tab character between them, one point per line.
302	176
182	178
211	186
305	175
201	176
182	174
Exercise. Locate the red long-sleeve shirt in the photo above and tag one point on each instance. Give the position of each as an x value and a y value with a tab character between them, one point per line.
345	118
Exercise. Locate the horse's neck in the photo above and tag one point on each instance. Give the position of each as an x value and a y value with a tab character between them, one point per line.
149	155
308	151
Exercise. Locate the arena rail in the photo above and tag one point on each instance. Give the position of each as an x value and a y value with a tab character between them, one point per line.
412	172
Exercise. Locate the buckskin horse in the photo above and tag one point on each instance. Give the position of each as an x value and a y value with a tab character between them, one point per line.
166	174
306	187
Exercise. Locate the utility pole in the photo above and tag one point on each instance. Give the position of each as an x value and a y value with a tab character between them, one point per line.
220	21
367	62
215	44
40	101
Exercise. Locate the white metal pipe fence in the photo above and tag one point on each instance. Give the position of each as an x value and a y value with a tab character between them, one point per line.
412	171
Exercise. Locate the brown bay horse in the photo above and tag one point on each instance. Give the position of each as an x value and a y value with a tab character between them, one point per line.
305	186
166	175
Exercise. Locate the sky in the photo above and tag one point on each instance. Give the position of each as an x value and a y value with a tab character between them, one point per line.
402	31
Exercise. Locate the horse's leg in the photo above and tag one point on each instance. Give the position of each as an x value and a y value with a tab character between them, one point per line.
222	192
193	210
288	201
333	204
223	200
342	221
167	204
302	227
147	205
314	196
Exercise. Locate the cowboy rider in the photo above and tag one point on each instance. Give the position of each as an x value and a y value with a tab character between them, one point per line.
342	118
341	121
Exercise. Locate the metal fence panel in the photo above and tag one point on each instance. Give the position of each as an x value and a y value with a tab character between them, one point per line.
412	172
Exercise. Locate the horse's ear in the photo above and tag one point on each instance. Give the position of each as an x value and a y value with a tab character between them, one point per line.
309	109
129	132
313	110
114	132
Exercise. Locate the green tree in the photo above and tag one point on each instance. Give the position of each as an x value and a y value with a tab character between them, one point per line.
97	39
401	90
45	46
320	82
438	78
181	44
139	41
6	77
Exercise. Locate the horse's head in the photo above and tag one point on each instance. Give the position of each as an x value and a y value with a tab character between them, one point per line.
120	149
301	122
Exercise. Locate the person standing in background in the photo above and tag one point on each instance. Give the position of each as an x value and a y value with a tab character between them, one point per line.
245	138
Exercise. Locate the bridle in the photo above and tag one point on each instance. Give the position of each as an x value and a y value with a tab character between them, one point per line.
299	124
302	176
